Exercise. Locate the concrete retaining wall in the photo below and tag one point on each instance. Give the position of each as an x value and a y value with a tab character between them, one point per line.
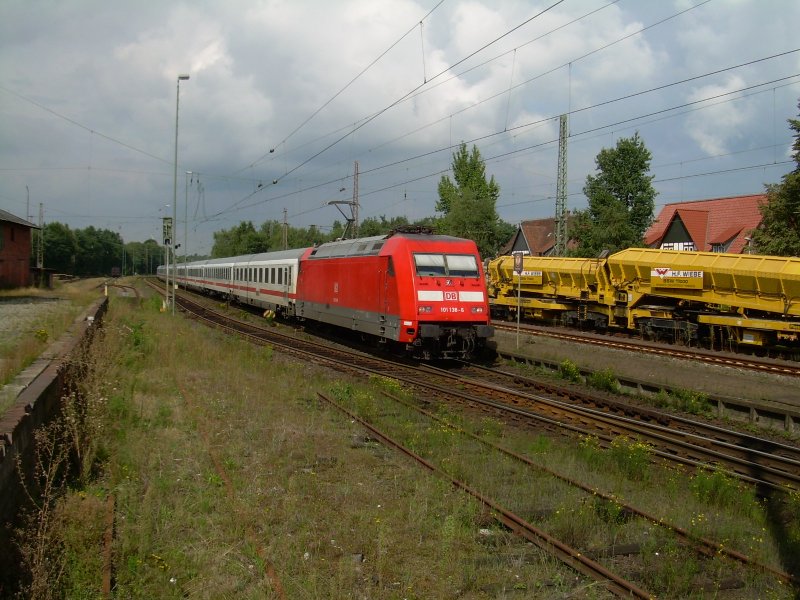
39	390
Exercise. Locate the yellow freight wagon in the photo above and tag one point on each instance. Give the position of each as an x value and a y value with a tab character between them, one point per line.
719	299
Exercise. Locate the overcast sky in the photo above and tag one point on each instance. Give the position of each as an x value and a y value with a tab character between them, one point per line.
284	97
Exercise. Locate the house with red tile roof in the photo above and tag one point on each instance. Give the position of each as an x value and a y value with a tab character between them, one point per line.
717	225
537	237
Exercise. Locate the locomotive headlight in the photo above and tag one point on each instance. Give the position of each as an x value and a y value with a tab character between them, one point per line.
477	310
425	309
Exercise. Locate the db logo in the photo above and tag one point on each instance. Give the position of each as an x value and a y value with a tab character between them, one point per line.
451	295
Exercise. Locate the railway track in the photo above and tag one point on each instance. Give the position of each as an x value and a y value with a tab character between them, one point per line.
760	462
702	546
774	367
617	585
757	460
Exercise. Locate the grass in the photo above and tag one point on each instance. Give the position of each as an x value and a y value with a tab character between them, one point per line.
32	330
689	401
294	495
225	469
700	503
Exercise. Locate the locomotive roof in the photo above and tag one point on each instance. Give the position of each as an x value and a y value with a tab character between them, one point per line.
371	246
368	246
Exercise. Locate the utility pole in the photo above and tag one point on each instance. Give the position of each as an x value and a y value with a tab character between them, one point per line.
560	248
40	245
285	230
355	200
186	220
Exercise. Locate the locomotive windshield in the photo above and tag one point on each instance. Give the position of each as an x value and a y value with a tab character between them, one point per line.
446	265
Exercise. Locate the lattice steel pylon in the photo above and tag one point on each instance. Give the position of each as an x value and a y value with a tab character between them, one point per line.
561	238
351	221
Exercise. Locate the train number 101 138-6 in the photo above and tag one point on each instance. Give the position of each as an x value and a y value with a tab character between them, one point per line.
452	309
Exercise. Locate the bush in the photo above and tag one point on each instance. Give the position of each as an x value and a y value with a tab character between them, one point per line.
695	403
632	457
604	380
716	487
569	371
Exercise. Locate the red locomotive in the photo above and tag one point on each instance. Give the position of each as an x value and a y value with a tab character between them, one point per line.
423	292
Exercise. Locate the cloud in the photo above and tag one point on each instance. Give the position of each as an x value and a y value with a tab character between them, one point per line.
717	126
88	98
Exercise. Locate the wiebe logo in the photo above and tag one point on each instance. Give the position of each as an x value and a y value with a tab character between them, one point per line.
666	272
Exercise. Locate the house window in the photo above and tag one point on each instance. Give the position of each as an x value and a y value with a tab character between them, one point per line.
680	246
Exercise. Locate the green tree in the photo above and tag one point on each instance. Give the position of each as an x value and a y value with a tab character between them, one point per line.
469	204
238	240
621	200
98	251
372	226
469	172
144	257
60	247
779	232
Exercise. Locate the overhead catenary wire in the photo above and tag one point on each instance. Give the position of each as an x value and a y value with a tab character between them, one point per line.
368	119
347	85
384	168
607	126
399	100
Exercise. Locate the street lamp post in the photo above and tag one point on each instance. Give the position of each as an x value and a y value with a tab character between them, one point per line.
175	192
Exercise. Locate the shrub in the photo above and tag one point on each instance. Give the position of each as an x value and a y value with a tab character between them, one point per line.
590	450
695	403
632	457
717	487
569	371
604	380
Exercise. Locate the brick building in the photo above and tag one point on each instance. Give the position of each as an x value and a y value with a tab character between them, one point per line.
15	251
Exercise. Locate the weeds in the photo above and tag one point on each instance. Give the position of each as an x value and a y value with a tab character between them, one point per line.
604	380
719	489
334	519
690	401
39	542
387	383
631	457
695	403
589	450
610	512
569	371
